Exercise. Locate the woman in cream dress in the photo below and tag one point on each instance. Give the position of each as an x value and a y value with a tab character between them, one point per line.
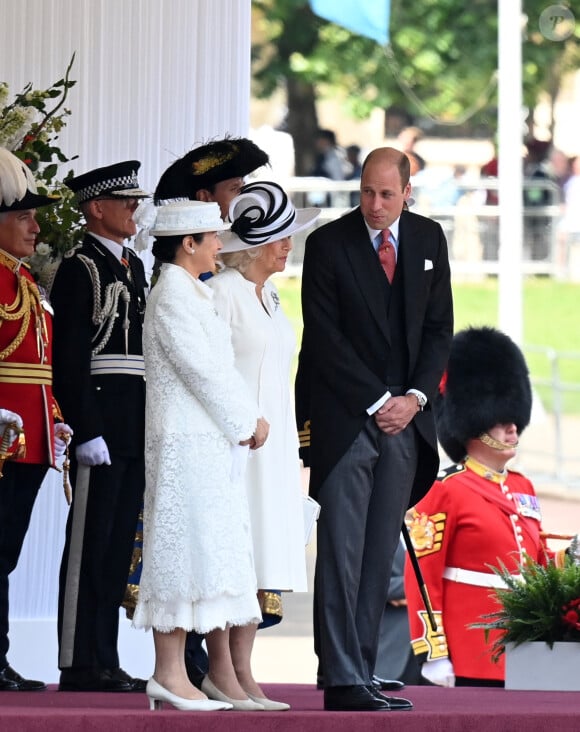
198	570
264	344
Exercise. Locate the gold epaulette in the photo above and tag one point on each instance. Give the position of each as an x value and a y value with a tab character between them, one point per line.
426	531
433	643
304	434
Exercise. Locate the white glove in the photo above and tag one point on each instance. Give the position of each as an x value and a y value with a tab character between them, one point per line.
439	672
7	417
60	429
93	452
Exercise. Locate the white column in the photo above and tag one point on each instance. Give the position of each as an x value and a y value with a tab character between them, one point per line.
510	123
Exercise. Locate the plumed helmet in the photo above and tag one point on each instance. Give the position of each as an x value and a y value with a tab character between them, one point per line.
486	383
17	185
206	165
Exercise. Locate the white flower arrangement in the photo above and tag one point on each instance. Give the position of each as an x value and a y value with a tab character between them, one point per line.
29	127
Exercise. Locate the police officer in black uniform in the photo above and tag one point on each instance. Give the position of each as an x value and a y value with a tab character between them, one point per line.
99	301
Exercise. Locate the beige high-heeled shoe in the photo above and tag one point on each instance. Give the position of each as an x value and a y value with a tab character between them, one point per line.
269	704
158	694
240	705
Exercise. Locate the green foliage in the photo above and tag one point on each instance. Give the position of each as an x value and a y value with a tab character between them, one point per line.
441	62
542	606
30	126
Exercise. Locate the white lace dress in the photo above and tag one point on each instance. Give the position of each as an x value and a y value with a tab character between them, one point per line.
198	570
264	344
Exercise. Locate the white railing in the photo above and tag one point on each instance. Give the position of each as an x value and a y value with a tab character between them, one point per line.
470	224
550	450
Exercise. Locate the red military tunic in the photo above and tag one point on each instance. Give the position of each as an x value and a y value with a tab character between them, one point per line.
471	519
26	358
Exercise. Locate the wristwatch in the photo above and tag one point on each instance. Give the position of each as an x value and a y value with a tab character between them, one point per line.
421	400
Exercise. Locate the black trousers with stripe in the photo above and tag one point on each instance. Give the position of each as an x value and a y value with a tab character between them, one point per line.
100	533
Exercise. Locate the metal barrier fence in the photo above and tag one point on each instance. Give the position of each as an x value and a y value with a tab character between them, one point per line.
470	223
550	445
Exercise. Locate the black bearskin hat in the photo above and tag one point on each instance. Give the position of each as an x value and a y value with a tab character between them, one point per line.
486	383
206	165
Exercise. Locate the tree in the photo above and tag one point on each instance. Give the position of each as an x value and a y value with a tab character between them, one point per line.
440	64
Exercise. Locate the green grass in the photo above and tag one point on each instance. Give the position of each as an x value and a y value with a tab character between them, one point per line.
551	323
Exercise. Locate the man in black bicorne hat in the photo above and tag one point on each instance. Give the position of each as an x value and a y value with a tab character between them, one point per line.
99	300
214	171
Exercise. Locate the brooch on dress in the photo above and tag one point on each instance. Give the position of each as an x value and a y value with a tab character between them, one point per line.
275	300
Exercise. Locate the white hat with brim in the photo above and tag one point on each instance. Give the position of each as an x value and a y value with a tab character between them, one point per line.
261	214
182	218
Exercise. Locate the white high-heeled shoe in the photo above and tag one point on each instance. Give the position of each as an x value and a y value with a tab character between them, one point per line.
158	694
269	704
240	705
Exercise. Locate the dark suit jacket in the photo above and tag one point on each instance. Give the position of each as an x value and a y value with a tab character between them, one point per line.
112	406
343	360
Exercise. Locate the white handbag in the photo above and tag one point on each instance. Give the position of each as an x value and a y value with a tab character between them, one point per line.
311	512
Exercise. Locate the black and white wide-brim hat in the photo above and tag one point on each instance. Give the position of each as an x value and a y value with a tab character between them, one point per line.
261	214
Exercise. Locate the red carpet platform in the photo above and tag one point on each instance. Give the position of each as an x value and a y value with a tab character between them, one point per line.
436	710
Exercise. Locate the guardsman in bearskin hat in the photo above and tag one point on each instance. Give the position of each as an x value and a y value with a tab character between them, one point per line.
32	433
478	513
99	301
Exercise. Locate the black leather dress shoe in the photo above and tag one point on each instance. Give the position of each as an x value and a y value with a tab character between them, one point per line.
10	680
77	679
353	699
387	684
136	684
396	703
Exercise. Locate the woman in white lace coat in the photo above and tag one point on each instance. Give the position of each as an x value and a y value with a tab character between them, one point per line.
198	570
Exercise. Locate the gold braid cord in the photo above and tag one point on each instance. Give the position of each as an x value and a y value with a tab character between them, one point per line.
104	315
27	301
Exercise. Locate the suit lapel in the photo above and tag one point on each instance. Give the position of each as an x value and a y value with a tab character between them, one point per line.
367	270
411	251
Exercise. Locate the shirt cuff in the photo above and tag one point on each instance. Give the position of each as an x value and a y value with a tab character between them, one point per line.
379	403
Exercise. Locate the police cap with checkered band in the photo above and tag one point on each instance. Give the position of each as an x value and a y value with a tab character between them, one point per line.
112	181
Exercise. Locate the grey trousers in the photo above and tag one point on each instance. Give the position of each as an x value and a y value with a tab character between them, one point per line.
363	503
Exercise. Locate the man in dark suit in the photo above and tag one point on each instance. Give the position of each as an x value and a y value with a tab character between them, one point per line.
99	302
373	351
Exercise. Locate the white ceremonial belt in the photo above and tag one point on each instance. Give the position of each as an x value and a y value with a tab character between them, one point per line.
479	579
117	363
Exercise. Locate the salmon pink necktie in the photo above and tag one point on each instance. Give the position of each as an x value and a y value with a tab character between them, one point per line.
387	256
